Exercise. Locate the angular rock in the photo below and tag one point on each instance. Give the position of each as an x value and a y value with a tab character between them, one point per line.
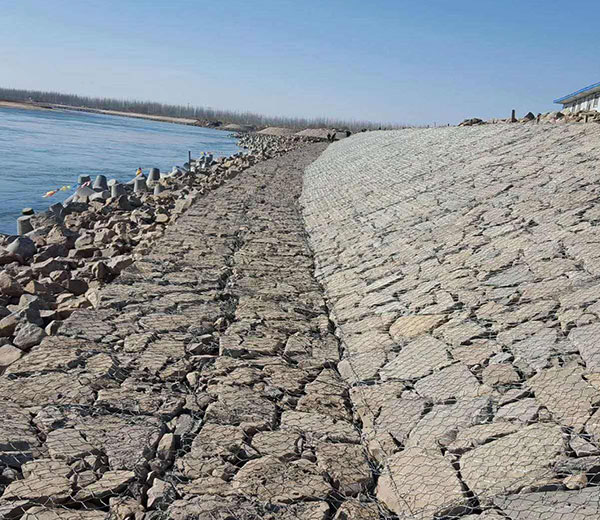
44	513
444	422
16	434
499	374
417	359
455	381
76	286
46	468
582	447
158	492
48	266
363	365
43	490
14	509
22	246
109	484
28	335
270	480
44	389
9	286
536	350
585	340
551	505
280	444
128	442
319	427
346	466
243	409
409	327
8	355
524	411
68	445
512	462
566	394
421	485
325	395
399	416
118	263
480	434
353	509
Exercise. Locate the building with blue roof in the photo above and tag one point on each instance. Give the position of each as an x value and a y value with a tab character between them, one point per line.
587	98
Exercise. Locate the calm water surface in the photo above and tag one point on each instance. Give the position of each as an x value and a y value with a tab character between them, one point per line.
44	150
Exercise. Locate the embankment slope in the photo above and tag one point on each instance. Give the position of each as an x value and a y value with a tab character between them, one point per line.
462	268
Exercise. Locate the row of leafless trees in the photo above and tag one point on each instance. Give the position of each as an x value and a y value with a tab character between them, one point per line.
200	113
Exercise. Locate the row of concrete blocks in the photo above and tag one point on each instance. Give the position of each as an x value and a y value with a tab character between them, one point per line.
100	190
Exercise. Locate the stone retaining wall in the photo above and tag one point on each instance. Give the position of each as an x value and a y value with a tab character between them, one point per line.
462	266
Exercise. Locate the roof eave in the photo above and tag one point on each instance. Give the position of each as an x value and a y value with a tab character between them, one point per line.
580	93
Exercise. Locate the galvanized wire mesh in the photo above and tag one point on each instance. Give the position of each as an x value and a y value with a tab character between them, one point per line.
442	364
462	272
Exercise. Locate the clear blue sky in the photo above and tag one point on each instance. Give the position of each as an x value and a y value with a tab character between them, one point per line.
419	61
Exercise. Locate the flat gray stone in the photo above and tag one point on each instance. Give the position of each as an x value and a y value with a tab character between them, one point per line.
45	513
455	381
536	350
500	374
417	359
420	484
552	505
477	435
444	422
68	445
524	411
280	444
45	490
408	327
510	277
587	341
512	462
244	409
270	480
354	509
319	427
346	466
109	484
566	394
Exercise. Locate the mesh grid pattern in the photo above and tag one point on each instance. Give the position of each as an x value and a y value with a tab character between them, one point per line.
461	266
203	385
405	329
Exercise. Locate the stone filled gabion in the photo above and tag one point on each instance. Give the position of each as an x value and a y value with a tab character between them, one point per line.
463	275
200	383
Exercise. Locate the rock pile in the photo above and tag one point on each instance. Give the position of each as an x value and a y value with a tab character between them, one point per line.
74	250
265	146
316	134
472	122
586	116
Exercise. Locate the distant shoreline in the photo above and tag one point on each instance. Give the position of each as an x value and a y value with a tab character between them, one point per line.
48	106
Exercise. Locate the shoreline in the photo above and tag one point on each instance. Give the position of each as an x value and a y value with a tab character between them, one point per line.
136	115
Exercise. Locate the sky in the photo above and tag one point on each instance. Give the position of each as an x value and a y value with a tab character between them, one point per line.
414	62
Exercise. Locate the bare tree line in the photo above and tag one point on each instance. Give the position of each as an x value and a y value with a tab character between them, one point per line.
186	111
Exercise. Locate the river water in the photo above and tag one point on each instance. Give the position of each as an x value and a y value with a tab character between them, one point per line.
45	150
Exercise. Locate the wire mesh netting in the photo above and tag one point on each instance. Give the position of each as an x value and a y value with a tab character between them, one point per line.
461	268
442	364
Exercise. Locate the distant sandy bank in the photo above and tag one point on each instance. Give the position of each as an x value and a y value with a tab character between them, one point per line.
39	106
26	106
